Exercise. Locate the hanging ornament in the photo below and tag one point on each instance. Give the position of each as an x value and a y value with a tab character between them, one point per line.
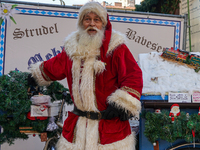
175	110
52	125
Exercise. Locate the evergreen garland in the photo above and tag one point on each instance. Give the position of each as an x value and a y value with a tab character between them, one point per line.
15	104
160	126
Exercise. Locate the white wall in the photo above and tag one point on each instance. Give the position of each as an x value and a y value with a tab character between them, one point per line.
33	143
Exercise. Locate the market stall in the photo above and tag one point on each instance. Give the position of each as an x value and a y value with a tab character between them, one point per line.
170	101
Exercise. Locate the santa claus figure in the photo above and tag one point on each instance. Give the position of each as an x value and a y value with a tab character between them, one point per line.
175	110
158	111
104	80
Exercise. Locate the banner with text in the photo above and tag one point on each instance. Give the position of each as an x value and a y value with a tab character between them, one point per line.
39	33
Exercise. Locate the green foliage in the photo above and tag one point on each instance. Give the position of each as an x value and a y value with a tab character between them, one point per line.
170	6
148	6
15	104
55	90
160	126
158	6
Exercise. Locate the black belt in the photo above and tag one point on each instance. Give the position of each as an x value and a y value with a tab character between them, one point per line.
89	114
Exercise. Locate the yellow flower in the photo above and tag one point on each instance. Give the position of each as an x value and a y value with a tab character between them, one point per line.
5	11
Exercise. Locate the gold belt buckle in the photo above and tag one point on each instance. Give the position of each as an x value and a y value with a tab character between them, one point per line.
88	115
99	115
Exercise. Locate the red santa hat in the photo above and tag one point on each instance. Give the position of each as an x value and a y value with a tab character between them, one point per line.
174	105
92	7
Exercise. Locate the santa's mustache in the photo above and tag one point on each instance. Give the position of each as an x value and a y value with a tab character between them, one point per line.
92	28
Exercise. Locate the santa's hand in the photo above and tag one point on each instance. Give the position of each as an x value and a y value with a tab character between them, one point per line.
33	87
124	115
112	112
31	80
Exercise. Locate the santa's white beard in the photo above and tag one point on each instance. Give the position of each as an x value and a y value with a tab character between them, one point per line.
89	44
175	110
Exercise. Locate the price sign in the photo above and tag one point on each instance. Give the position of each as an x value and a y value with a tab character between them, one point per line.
179	97
196	97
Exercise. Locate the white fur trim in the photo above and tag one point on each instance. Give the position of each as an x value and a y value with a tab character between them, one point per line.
92	135
123	99
117	39
87	85
80	133
99	66
87	139
126	144
79	144
83	93
63	144
37	75
75	85
92	7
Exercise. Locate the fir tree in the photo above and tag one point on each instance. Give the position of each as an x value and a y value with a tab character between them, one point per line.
15	104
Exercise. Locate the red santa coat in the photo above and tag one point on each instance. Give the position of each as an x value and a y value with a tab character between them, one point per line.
111	76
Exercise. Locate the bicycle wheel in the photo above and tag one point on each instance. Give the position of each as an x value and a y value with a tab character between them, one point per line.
51	143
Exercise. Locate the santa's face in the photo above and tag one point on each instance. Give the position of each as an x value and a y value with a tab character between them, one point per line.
175	109
91	22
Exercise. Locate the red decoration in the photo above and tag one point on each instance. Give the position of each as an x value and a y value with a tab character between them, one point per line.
175	110
172	118
193	133
34	118
43	107
157	111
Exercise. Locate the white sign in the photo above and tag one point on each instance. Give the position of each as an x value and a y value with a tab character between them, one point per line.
179	98
196	97
40	32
